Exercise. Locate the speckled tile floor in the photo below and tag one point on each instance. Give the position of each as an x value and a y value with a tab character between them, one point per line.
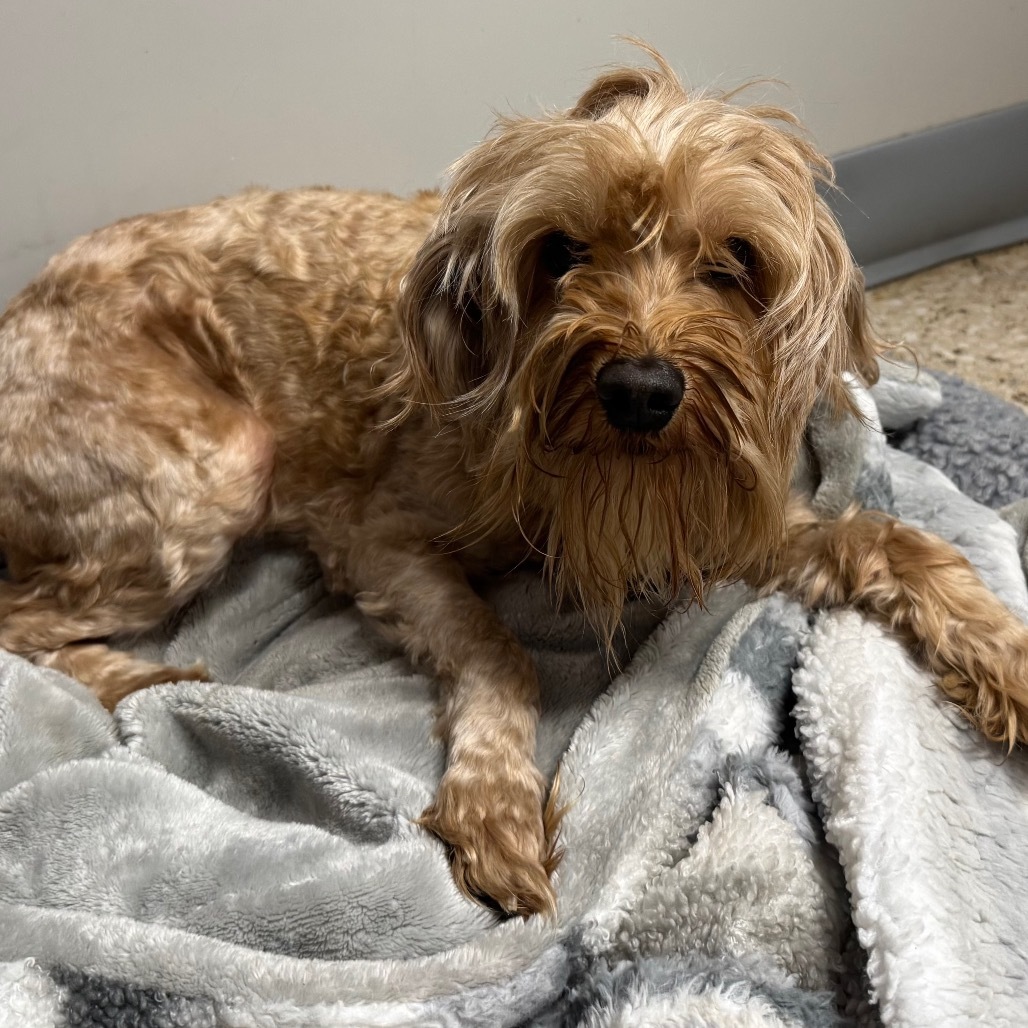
968	317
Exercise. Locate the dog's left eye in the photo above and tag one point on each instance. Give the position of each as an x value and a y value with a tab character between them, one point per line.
559	253
738	266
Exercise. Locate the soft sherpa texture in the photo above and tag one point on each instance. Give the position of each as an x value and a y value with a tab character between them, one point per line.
773	821
978	440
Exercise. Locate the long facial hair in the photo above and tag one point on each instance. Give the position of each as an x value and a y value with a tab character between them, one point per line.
651	196
615	515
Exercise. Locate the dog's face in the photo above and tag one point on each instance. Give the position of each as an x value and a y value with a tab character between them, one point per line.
634	306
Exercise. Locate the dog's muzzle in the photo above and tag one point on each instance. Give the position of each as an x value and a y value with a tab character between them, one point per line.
639	395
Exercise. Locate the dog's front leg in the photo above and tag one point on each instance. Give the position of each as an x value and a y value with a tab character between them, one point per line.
924	590
491	804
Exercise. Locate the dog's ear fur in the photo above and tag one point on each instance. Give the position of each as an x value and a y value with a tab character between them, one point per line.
621	83
609	89
456	326
856	347
816	309
865	346
441	322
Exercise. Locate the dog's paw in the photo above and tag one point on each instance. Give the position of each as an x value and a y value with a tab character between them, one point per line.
502	839
993	690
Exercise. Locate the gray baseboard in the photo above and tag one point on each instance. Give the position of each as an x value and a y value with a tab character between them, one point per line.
933	196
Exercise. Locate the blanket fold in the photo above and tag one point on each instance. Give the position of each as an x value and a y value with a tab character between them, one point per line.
775	818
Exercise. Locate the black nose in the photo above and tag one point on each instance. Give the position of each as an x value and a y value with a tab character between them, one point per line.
640	395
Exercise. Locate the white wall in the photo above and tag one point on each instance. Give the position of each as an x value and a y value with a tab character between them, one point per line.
110	107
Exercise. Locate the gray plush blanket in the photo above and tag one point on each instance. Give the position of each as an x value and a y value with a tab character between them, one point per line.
776	819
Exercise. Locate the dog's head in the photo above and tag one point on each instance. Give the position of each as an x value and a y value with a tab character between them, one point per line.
633	305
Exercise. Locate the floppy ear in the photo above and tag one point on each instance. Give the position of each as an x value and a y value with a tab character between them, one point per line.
816	317
621	83
855	347
609	89
458	324
864	344
441	323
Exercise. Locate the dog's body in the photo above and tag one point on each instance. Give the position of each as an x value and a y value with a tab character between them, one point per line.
599	348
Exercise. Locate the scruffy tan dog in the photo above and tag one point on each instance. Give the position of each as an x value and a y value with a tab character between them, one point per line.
599	347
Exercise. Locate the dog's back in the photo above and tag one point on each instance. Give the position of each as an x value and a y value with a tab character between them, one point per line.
258	288
157	374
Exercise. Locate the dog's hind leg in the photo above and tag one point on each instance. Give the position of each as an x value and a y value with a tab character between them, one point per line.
928	593
35	622
113	675
114	514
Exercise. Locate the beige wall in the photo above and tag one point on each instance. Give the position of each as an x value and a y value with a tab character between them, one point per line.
109	107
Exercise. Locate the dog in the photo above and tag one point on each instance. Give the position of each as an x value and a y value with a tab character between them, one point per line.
597	349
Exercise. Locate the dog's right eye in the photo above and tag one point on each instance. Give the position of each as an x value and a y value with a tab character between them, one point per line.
560	253
739	268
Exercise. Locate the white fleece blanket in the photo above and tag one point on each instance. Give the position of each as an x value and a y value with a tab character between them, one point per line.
776	819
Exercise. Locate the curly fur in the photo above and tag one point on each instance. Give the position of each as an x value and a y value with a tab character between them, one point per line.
409	387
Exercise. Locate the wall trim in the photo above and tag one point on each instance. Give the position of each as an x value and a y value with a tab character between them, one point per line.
930	197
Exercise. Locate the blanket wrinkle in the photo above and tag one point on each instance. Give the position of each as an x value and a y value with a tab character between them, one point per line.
776	819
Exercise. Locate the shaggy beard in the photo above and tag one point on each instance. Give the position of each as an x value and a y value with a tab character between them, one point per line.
612	525
621	525
616	515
